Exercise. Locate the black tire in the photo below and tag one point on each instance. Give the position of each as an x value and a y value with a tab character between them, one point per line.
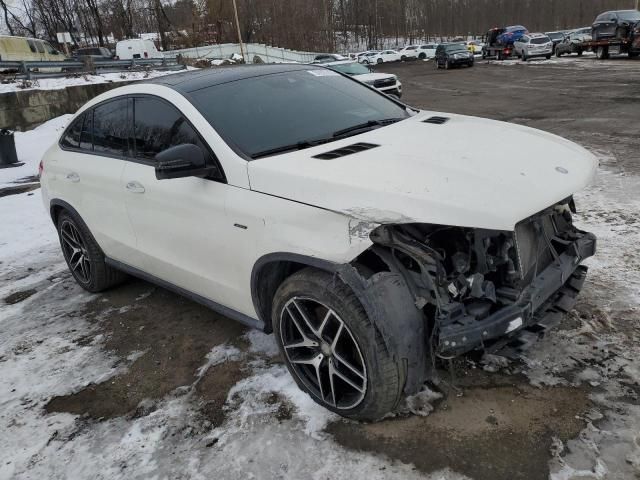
523	57
447	65
579	52
96	275
633	54
602	53
384	376
403	58
422	56
548	57
558	54
379	61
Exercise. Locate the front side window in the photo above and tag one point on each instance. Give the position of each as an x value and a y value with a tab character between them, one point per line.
32	45
260	114
629	15
158	126
111	127
40	47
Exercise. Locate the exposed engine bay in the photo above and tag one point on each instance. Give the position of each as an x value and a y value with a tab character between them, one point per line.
476	285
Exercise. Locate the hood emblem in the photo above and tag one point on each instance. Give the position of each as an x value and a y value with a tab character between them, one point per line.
562	170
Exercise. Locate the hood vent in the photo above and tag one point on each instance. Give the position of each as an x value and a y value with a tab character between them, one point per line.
344	151
436	120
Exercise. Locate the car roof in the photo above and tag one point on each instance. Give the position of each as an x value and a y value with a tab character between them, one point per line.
536	35
197	79
340	62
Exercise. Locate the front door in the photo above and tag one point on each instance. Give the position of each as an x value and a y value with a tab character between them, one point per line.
184	235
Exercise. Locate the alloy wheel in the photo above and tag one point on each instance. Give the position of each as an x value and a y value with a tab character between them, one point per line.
323	353
75	251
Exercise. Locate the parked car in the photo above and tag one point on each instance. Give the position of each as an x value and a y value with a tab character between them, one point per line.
381	57
511	34
96	53
614	24
357	229
329	57
573	42
27	49
556	37
409	52
450	55
474	47
385	82
137	48
533	45
428	50
356	56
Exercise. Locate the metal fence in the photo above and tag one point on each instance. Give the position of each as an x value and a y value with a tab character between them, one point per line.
266	53
35	70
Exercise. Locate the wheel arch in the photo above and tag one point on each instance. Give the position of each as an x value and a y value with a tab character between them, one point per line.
56	206
271	270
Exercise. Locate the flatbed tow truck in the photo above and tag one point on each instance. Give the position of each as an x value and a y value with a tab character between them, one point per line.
603	48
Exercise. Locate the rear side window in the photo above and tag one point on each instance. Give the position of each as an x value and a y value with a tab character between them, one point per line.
158	126
71	138
111	127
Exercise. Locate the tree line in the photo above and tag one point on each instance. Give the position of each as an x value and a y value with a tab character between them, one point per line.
313	25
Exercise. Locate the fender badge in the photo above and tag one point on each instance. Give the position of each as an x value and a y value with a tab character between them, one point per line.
562	170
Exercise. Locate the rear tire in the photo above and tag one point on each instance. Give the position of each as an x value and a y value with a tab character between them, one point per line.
310	308
548	57
422	56
558	54
602	53
379	61
83	255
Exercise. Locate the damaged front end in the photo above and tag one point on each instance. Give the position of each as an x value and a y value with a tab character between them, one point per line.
475	286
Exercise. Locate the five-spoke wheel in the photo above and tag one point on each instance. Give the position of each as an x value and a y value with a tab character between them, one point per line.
323	353
75	251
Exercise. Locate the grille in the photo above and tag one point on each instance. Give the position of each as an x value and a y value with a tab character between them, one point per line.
386	82
348	150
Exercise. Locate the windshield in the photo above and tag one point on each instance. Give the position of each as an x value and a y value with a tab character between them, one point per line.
456	48
270	112
556	36
350	68
629	15
540	40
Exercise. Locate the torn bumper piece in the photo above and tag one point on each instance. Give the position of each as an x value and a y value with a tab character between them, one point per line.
555	288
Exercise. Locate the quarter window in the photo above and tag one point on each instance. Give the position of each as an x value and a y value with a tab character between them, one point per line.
158	126
71	138
86	137
111	127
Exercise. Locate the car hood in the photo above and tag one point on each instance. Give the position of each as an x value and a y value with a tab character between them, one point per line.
468	171
372	77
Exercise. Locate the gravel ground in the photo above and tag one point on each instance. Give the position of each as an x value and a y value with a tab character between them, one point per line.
138	382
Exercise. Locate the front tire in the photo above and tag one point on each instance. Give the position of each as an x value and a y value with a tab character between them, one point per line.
84	256
332	349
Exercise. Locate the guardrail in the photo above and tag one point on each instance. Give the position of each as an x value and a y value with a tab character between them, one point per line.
42	69
267	53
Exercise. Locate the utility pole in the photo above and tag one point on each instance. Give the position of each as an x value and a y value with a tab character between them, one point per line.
235	10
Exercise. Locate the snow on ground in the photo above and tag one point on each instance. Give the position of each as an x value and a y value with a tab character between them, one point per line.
71	81
30	146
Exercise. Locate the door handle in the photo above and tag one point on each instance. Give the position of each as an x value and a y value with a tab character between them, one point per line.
135	187
73	177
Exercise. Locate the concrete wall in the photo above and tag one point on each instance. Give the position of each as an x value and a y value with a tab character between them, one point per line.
26	109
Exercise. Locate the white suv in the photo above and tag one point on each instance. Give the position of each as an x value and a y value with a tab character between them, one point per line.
368	236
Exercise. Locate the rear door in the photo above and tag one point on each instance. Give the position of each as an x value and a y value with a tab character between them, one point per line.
184	236
88	175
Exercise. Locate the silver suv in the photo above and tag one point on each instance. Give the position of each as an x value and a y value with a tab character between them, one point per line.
533	45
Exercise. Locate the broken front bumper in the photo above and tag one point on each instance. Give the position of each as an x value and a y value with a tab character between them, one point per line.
555	288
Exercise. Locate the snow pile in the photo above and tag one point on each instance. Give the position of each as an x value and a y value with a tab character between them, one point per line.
31	146
72	81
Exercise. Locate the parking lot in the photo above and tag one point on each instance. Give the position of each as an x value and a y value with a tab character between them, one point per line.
138	382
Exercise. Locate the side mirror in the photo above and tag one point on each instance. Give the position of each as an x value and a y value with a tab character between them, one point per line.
185	160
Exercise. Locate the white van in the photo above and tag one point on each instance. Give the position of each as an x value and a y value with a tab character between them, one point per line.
136	48
18	49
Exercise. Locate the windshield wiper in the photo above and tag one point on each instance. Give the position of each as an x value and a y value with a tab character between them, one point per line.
365	126
345	132
289	148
